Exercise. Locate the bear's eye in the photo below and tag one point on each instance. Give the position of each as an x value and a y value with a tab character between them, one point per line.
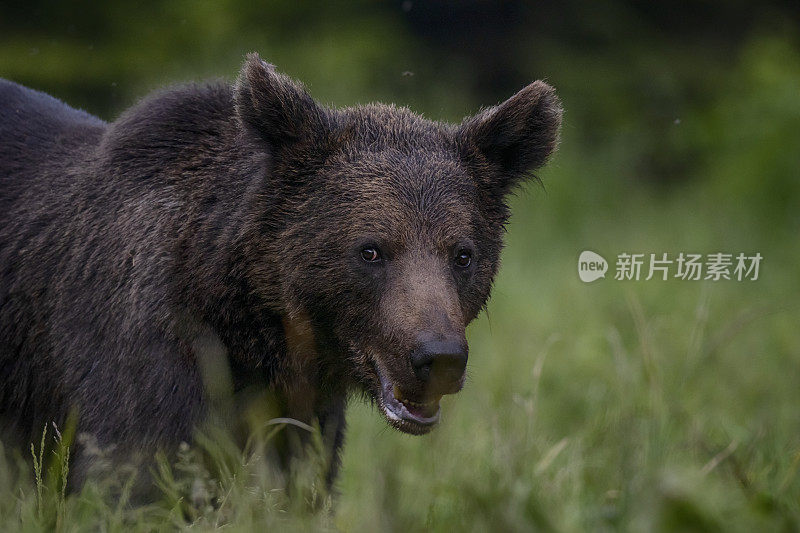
370	254
464	259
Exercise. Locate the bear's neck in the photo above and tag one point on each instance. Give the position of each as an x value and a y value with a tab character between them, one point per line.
226	274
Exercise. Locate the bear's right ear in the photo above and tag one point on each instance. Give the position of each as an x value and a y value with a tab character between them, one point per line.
275	107
514	137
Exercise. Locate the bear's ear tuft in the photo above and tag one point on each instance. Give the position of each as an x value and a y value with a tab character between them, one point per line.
275	107
514	137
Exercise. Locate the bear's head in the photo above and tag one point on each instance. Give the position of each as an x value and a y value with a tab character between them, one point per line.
390	229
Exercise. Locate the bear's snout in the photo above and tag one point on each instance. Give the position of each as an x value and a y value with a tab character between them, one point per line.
439	363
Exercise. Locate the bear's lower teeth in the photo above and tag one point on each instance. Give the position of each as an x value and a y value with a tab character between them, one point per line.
418	405
428	406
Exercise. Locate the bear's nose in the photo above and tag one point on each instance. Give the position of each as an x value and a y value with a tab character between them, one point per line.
440	364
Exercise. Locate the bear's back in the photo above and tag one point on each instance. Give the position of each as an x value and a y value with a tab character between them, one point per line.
38	133
31	120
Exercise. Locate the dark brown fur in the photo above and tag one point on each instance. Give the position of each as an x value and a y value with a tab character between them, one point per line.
225	223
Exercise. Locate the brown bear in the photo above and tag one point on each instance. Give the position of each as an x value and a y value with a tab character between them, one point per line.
223	236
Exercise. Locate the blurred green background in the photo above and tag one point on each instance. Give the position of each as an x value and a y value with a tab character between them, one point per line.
649	405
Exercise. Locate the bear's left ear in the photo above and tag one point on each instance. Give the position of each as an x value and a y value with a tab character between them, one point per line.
275	107
514	137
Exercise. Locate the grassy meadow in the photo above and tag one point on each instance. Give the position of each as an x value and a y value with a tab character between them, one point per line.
605	406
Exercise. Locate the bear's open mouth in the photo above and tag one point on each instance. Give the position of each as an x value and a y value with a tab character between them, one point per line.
406	415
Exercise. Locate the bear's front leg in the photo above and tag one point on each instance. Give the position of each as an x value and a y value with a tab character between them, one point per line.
132	404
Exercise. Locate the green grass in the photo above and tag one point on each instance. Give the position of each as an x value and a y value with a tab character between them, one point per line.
634	406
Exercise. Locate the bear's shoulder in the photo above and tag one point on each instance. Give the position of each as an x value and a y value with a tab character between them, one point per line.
171	125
